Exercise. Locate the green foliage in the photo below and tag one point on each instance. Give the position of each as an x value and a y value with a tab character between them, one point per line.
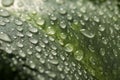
61	39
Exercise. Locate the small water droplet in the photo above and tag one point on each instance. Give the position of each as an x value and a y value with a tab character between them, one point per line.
40	21
38	48
33	40
53	17
32	65
69	47
87	33
102	51
8	50
19	28
62	35
78	55
50	30
29	34
33	30
29	51
101	28
20	34
62	11
22	54
7	3
19	44
51	74
4	37
69	17
53	61
63	24
18	22
4	13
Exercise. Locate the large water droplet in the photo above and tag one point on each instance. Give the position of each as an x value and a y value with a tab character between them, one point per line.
79	55
87	33
7	3
4	37
69	47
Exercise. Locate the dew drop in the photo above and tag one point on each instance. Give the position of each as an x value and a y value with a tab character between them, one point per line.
101	28
69	47
18	22
19	28
87	33
38	48
19	44
78	55
8	50
29	51
53	61
7	3
33	41
62	35
4	37
69	17
4	13
20	34
29	34
62	11
53	17
21	53
102	51
40	21
50	30
51	74
33	30
63	24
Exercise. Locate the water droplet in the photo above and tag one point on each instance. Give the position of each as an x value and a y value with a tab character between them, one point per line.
63	24
4	13
38	48
62	11
102	51
53	52
96	18
53	61
69	17
2	23
101	28
51	74
7	3
78	55
69	47
19	28
33	40
21	53
33	30
53	17
29	51
42	44
62	35
18	22
19	44
20	34
41	69
50	30
32	65
8	50
87	33
40	21
4	37
29	34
